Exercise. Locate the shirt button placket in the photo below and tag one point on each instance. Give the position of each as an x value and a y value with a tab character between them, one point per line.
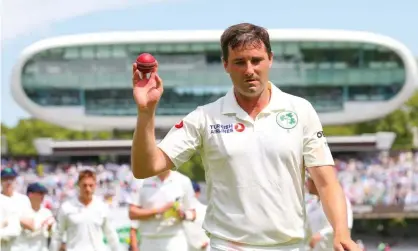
257	123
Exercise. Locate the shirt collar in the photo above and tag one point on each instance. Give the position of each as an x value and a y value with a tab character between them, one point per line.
79	204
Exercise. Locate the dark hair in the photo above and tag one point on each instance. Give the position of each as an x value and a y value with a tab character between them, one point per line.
86	174
243	35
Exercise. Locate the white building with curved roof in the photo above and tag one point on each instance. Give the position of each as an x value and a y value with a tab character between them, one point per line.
83	81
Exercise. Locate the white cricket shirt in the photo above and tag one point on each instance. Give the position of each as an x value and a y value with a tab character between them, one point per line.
254	168
84	227
21	203
133	199
155	193
35	240
9	222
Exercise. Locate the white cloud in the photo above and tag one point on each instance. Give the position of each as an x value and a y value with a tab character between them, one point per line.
25	16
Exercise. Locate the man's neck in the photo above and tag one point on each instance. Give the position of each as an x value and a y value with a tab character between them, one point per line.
7	193
253	106
163	176
85	201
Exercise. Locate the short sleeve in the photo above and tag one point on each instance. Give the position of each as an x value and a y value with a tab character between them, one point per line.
316	151
184	138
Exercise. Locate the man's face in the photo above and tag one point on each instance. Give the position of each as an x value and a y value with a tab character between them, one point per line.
249	67
7	184
36	198
87	187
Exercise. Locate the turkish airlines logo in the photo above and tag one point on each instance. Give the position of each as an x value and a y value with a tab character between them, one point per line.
179	125
239	127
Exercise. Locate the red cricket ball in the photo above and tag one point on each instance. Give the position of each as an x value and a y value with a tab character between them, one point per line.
146	63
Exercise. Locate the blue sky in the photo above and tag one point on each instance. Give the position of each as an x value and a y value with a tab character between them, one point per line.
58	17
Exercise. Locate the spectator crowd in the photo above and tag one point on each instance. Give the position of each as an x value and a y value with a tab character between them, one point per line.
382	179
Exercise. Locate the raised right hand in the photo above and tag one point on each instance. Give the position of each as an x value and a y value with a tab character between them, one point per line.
146	91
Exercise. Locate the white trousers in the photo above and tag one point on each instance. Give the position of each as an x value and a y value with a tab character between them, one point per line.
167	243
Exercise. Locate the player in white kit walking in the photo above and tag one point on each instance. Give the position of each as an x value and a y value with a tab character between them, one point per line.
162	203
255	144
321	238
8	182
37	224
9	223
85	220
17	206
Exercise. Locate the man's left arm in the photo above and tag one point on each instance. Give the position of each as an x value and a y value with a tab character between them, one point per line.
332	197
318	160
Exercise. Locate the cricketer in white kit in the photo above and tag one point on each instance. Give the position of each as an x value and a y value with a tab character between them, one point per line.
16	206
255	143
9	223
85	220
36	224
163	202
